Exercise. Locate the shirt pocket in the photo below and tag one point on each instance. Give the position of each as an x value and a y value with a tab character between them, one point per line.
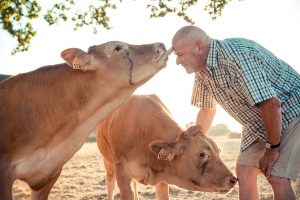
227	92
228	85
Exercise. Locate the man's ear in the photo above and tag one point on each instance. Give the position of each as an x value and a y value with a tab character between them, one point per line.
77	59
198	48
165	150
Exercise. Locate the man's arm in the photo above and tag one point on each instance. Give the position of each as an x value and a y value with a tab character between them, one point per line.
205	117
270	111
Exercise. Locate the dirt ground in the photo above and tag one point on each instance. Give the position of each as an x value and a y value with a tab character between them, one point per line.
82	178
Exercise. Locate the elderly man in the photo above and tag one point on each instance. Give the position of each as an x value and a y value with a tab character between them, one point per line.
257	89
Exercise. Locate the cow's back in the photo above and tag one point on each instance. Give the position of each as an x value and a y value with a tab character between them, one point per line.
132	127
30	101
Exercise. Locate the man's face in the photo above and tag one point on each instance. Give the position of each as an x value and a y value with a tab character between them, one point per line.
187	55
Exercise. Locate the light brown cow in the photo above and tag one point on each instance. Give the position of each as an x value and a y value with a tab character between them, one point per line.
46	115
140	141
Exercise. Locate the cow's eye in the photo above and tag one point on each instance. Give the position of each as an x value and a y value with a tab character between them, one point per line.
118	48
201	155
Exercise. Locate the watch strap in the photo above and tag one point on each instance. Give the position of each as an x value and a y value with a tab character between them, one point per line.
272	146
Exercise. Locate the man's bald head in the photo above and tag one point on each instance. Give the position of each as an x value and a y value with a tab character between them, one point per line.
191	46
191	34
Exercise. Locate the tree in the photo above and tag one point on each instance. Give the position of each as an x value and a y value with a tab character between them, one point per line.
16	15
219	130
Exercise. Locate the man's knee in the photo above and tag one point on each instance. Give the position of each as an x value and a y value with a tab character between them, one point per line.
279	181
246	173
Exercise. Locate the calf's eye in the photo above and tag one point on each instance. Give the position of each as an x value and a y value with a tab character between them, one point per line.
202	155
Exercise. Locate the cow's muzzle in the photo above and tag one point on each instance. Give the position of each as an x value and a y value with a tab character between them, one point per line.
160	52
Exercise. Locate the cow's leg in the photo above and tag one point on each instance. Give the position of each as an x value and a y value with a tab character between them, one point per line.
136	195
162	191
124	183
110	179
6	182
42	193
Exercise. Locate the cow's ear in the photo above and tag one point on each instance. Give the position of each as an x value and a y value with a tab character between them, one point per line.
193	131
77	59
165	150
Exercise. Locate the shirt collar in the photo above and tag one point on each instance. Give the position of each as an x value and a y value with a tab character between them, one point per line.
211	62
212	55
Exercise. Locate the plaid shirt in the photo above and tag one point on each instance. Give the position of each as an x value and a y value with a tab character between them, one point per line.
240	74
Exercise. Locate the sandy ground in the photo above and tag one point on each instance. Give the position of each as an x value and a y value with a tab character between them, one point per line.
82	178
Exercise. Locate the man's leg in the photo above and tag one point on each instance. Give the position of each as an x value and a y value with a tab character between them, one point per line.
282	188
247	171
247	179
287	166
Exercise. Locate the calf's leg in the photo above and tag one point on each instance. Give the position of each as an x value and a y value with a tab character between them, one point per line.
110	179
124	183
162	191
42	193
136	195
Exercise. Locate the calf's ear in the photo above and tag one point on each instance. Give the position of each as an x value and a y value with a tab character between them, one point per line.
164	150
77	59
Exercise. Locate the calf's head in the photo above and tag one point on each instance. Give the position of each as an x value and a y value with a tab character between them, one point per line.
195	162
139	62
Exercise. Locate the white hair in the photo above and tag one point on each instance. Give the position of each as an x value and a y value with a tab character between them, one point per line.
192	33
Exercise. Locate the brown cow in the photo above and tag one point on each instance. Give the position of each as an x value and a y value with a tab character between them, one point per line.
46	115
141	141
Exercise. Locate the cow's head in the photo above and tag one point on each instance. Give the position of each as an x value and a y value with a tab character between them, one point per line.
195	162
139	62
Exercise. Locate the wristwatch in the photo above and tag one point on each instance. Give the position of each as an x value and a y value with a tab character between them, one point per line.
272	146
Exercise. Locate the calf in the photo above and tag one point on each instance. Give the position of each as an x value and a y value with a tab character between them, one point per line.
140	141
46	115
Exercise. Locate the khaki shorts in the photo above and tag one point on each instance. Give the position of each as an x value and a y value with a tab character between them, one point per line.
288	163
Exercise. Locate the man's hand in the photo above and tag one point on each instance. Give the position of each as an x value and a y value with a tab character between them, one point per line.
267	161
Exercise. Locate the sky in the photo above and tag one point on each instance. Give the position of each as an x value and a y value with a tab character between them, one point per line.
272	23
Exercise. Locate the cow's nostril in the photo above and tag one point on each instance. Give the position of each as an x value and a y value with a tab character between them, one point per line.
233	180
161	46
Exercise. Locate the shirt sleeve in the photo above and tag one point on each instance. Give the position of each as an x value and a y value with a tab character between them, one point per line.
256	79
201	97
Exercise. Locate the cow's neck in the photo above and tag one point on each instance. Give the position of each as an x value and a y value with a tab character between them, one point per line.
68	130
93	114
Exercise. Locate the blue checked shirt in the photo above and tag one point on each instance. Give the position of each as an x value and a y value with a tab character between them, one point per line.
240	74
